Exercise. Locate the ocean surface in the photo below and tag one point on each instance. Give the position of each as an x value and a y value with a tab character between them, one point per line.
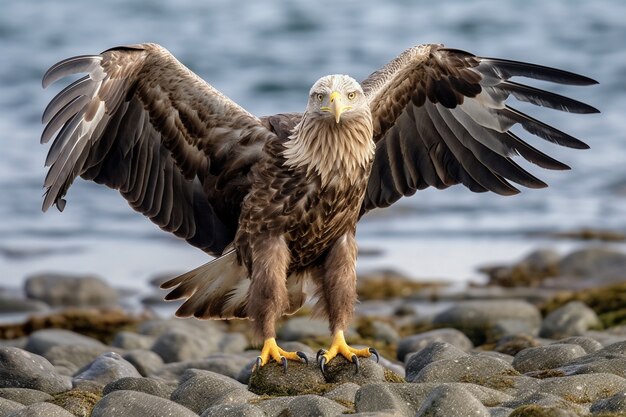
265	55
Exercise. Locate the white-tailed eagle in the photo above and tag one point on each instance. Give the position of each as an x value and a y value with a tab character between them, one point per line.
276	199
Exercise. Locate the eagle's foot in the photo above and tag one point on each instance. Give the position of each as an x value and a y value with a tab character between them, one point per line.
340	347
271	350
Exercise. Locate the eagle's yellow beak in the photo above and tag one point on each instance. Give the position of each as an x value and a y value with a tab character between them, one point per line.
336	105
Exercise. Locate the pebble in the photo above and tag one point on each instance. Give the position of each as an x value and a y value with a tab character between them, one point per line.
132	340
70	359
233	410
183	344
201	389
70	291
8	406
10	304
22	369
222	363
546	357
451	401
300	379
340	371
593	263
588	344
135	404
572	319
24	396
614	404
106	368
41	341
475	369
433	352
145	361
150	386
344	392
314	406
586	388
41	410
489	320
419	341
299	328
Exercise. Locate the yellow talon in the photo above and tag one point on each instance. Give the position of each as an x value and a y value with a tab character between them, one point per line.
271	350
340	347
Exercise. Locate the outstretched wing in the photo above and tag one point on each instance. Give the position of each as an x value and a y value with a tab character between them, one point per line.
440	119
142	123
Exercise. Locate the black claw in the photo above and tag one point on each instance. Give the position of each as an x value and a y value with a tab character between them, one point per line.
303	356
355	360
319	353
258	363
375	353
322	363
283	362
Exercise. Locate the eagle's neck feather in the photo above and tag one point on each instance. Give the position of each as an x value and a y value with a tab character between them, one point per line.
332	150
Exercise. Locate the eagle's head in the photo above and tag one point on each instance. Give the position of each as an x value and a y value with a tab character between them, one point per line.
335	97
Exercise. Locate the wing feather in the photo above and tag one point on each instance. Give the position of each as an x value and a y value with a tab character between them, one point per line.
441	118
142	123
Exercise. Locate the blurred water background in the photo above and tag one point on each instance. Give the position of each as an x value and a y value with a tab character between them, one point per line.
265	55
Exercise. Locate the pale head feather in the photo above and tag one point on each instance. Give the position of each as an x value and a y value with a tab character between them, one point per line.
331	149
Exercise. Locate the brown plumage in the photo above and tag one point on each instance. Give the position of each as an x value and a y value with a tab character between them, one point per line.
277	199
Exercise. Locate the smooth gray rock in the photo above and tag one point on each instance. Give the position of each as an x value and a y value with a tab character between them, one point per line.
500	411
314	406
593	263
546	357
70	291
489	320
69	359
513	344
433	352
200	390
233	410
299	328
419	341
406	399
10	304
145	361
275	407
615	366
22	369
451	401
41	341
343	392
614	404
132	340
587	343
106	368
301	378
8	406
584	388
41	410
573	319
184	344
340	371
544	400
475	369
24	396
136	404
384	332
233	343
221	363
157	327
148	385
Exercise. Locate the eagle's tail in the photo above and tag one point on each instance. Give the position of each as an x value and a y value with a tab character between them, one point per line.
219	290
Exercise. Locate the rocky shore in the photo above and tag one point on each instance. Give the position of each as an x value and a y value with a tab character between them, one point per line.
545	337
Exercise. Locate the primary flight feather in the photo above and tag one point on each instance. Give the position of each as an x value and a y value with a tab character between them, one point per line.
276	199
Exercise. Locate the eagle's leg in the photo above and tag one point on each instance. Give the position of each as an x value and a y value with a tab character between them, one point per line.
268	298
338	297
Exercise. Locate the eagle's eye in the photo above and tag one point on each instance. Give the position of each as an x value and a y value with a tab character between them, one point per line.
320	97
351	95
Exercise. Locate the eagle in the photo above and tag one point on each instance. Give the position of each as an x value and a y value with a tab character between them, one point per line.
276	199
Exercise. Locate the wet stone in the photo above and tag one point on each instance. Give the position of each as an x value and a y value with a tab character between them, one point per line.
546	357
41	341
150	386
451	401
489	320
24	396
135	404
70	291
573	319
200	390
106	368
41	410
473	369
418	342
22	369
233	410
433	352
614	404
